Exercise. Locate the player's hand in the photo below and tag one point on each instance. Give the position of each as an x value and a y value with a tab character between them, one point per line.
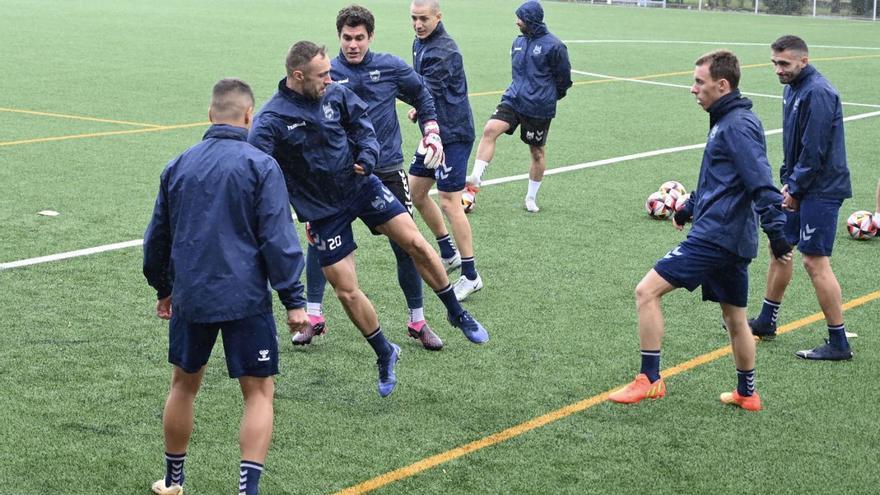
431	146
362	169
789	203
412	114
781	249
680	218
163	308
297	320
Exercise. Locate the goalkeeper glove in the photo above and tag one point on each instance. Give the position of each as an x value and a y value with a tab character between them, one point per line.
431	146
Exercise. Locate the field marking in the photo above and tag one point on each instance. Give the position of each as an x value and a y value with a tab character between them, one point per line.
77	117
489	182
100	134
553	416
728	43
671	85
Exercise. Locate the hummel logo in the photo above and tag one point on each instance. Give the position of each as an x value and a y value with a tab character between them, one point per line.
294	126
807	230
264	355
674	252
518	49
444	171
539	135
342	81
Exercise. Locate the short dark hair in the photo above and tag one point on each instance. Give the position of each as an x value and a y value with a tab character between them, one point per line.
354	16
300	54
231	98
790	42
723	64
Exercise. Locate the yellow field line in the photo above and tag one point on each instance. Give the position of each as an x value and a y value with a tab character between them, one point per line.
99	134
514	431
77	117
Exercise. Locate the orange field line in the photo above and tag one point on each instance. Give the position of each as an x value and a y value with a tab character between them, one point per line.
77	117
99	134
514	431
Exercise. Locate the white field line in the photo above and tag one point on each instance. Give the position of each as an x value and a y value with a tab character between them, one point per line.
500	180
719	43
671	85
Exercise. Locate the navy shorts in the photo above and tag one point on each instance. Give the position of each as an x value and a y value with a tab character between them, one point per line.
374	204
723	275
398	183
250	345
812	228
533	131
452	174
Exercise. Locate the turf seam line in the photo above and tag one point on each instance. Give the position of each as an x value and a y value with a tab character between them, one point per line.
563	412
488	182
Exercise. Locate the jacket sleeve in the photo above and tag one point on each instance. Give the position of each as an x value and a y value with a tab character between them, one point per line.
263	134
817	119
749	154
276	235
436	71
411	89
360	131
561	70
157	246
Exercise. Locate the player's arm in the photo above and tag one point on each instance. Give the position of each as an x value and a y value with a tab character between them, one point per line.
817	118
561	70
157	247
264	133
749	154
360	132
685	214
411	89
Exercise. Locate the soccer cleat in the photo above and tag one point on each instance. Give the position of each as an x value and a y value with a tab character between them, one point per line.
470	327
764	331
531	205
826	352
465	287
639	389
159	488
749	403
451	264
387	378
426	336
317	326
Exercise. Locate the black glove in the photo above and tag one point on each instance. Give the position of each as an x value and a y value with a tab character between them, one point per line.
682	216
780	247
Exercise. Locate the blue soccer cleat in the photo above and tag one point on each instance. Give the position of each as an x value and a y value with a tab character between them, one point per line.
764	331
470	327
387	378
826	352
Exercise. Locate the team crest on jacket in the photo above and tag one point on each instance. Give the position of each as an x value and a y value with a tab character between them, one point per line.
713	132
374	75
536	50
329	113
796	103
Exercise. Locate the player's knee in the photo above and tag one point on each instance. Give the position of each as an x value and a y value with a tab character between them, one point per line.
815	265
348	295
644	293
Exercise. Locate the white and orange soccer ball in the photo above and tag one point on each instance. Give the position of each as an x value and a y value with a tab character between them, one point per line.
656	206
861	225
468	200
672	185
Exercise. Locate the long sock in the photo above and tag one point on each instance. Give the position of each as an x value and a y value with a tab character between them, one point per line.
745	384
379	343
408	277
479	169
453	307
315	280
533	188
468	268
651	364
174	468
249	477
314	309
416	315
837	336
769	311
447	248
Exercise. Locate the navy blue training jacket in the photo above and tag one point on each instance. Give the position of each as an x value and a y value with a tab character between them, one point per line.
540	67
438	60
221	227
735	186
317	143
380	80
814	162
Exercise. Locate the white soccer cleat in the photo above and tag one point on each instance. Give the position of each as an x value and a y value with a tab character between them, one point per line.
465	287
159	488
531	205
451	264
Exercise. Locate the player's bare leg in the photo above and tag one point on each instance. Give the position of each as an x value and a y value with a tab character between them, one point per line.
177	419
402	230
256	423
343	277
486	149
536	175
428	209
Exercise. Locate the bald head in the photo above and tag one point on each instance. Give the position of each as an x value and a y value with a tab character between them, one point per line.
232	102
432	5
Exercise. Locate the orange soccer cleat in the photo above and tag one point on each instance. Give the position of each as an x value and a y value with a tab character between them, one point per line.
749	403
638	389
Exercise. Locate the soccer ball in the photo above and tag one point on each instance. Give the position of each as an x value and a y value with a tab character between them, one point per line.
656	206
861	225
675	200
672	185
468	201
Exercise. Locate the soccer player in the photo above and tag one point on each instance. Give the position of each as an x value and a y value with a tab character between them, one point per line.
324	141
379	79
815	181
541	77
734	184
221	228
437	58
